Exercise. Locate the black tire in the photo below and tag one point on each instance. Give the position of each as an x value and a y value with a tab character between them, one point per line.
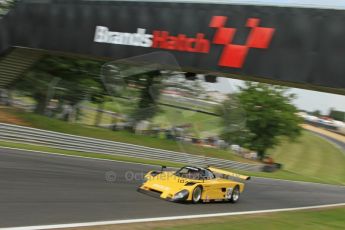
235	196
196	195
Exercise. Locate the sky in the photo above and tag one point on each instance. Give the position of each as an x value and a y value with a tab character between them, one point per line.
306	99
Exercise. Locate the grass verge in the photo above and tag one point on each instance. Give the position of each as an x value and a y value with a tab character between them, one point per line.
309	219
312	157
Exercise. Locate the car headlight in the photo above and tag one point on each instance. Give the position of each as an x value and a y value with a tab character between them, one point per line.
183	194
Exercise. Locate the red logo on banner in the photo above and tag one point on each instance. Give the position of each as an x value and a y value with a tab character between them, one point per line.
234	55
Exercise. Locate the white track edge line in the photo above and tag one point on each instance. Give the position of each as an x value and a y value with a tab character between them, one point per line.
130	221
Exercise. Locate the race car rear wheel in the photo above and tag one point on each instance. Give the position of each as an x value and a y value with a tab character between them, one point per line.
196	195
235	196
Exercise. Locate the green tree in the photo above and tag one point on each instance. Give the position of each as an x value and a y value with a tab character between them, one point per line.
7	5
316	113
268	113
149	85
70	80
337	115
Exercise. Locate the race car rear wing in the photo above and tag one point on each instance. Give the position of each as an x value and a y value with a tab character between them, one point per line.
227	173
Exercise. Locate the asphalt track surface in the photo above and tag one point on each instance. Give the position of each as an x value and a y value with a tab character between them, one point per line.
41	189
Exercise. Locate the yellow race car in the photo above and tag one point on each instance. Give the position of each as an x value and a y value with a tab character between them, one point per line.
194	184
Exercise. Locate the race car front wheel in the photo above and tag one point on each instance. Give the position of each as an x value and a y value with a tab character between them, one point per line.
196	195
235	196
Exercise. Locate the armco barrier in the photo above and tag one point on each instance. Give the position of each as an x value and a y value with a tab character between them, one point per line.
58	140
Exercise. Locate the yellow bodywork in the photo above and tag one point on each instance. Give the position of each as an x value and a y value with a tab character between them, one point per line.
166	185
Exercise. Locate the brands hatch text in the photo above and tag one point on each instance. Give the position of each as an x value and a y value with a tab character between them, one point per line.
159	39
233	55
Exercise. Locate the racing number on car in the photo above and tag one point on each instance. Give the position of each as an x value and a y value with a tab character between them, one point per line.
228	193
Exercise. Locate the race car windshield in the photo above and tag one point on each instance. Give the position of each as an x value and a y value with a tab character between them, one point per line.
194	173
